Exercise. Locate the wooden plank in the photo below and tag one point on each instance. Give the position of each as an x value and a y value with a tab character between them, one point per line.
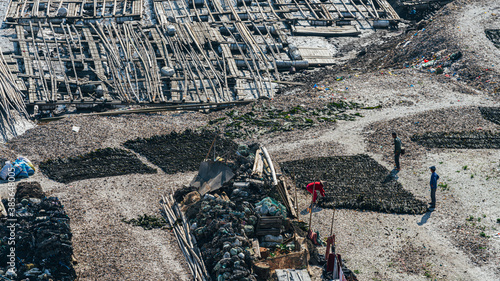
160	13
326	31
94	53
72	9
258	163
23	48
389	9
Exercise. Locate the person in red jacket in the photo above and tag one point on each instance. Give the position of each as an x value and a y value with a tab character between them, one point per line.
317	186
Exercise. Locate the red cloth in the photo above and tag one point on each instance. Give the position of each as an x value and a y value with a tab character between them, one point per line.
318	187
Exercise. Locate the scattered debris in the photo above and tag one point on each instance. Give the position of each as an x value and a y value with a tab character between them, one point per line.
19	169
414	259
467	238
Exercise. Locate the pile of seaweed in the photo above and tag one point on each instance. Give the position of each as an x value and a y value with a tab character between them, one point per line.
147	222
263	119
43	246
96	164
182	152
470	139
355	182
491	113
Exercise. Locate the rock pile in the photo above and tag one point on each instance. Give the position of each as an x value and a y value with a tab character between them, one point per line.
42	247
221	228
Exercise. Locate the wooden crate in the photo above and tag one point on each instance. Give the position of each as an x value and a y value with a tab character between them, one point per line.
268	225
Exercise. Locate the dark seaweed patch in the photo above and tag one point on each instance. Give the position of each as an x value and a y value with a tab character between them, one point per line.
181	152
264	119
491	113
494	36
147	222
471	139
354	182
96	164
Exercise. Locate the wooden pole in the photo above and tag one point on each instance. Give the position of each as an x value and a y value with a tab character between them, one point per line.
310	209
333	218
296	202
211	146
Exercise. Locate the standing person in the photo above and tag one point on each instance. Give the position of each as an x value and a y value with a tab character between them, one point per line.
316	186
433	183
397	150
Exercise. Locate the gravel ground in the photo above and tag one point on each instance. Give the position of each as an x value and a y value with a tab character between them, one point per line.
57	139
379	246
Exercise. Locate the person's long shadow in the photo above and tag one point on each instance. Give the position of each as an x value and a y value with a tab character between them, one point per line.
425	218
391	176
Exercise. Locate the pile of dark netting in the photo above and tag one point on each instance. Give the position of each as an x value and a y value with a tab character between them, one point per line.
221	228
491	113
43	245
471	139
182	152
354	182
96	164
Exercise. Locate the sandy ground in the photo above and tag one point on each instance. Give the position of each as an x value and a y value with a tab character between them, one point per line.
378	246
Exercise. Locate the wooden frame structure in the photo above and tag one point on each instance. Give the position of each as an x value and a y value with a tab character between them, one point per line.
24	11
191	51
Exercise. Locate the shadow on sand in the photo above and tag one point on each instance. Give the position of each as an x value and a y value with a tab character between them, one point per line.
425	218
391	176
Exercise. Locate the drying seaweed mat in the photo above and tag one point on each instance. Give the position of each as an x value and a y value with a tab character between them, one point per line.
97	164
355	182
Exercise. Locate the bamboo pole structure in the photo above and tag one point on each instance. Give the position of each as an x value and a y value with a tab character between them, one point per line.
174	215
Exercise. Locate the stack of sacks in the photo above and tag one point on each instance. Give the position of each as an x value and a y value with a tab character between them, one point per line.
20	168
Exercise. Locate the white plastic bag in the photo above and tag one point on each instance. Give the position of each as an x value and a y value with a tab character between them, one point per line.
4	173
